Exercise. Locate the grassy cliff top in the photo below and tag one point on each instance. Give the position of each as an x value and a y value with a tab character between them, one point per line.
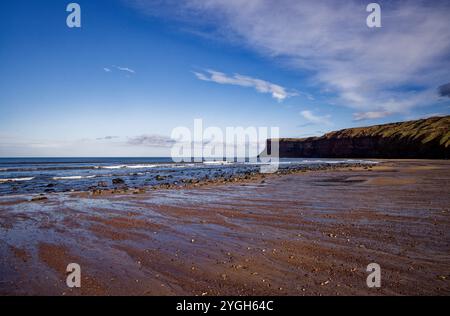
424	130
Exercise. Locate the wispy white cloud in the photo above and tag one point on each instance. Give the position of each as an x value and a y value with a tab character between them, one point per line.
278	92
316	119
107	138
360	116
151	141
125	69
368	70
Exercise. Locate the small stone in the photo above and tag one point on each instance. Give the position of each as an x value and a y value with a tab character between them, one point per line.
39	198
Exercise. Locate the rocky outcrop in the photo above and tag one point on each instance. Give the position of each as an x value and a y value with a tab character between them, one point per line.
426	138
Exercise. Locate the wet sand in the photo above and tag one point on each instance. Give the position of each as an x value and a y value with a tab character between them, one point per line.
308	233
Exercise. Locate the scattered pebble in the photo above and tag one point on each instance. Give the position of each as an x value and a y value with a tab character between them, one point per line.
39	198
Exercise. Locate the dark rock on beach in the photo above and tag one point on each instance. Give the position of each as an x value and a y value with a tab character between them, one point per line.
39	198
118	181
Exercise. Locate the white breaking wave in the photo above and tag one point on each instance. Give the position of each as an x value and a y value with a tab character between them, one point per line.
73	177
111	167
141	166
220	162
128	167
16	179
185	165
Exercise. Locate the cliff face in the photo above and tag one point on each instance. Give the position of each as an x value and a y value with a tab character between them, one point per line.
426	138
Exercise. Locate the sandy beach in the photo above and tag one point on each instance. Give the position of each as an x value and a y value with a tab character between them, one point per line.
305	233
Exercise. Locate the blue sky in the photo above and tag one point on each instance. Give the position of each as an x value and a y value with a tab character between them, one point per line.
137	69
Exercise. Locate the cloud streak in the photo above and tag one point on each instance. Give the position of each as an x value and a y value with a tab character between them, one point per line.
122	69
125	69
370	115
315	119
276	91
107	138
151	141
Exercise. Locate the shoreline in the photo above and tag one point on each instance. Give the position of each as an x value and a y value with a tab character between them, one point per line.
304	233
244	177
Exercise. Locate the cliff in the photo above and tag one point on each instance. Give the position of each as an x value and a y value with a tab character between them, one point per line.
425	138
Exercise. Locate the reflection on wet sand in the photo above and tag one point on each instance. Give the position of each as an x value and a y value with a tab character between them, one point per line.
307	233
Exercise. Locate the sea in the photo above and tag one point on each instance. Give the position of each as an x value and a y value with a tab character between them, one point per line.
47	175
